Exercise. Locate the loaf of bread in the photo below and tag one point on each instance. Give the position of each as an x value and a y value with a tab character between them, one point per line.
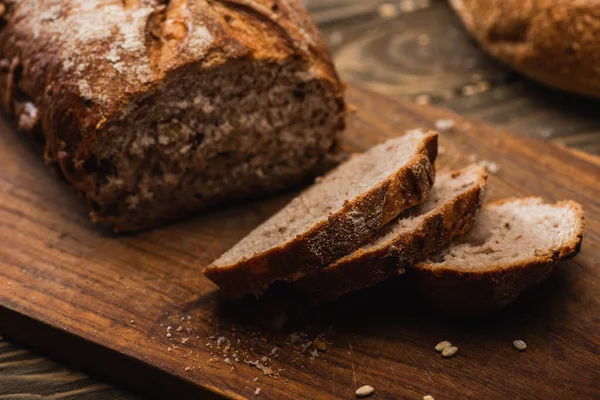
153	109
331	218
556	42
513	245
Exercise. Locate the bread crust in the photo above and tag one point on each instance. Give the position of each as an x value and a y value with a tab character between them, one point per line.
326	241
553	41
67	88
466	293
368	268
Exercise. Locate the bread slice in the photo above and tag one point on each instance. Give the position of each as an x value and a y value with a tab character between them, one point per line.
449	210
333	217
513	245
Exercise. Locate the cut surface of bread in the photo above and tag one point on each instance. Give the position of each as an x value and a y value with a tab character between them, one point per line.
513	245
449	210
331	218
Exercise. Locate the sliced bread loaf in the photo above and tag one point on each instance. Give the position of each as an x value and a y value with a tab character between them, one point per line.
449	210
155	109
513	245
333	217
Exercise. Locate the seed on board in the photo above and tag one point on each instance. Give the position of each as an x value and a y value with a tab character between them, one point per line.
519	345
428	397
364	391
442	345
450	351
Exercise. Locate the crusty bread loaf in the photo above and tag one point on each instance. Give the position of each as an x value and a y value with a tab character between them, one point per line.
331	218
154	108
513	245
553	41
449	210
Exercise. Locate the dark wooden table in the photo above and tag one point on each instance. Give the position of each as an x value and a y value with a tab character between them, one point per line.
410	49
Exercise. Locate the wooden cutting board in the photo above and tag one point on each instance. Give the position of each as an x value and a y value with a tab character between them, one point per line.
137	310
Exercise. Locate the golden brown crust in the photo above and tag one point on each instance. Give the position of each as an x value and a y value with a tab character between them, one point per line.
461	292
552	41
70	69
369	268
327	242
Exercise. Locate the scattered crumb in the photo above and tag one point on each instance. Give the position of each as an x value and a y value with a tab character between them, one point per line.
490	166
274	350
184	340
306	345
255	379
482	86
444	125
321	344
187	368
213	359
423	40
257	391
546	133
169	334
132	321
387	11
469	90
265	370
422	99
408	6
220	340
179	328
169	349
314	354
293	338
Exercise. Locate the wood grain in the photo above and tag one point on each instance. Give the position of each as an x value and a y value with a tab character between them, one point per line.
379	43
26	376
121	294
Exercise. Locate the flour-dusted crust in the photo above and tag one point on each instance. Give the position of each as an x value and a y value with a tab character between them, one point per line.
80	74
450	211
249	267
553	41
467	290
